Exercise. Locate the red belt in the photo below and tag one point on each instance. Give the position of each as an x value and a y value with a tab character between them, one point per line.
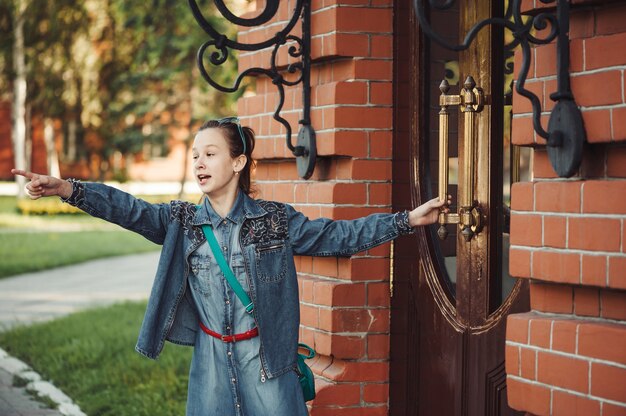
231	338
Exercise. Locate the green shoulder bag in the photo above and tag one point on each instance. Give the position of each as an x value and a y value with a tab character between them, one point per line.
305	375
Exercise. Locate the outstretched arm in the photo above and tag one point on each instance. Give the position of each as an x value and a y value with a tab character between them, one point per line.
102	201
42	185
325	237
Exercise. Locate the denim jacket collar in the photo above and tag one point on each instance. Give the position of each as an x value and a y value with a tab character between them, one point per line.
250	210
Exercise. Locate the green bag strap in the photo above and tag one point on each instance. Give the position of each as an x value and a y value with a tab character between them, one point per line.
228	273
311	351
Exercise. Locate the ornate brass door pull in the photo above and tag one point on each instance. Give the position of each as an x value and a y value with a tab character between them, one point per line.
471	101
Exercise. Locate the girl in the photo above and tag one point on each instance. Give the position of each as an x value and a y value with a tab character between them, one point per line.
192	304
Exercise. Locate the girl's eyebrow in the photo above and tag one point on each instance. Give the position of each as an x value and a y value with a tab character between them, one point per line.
205	147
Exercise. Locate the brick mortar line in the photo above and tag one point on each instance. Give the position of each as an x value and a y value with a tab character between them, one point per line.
584	42
335	6
567	243
328	106
343	181
579	73
621	240
572	392
582	108
323	59
350	334
282	24
588	375
337	181
570	180
333	205
606	281
611	118
351	6
366	105
335	32
569	214
328	130
569	355
355	257
623	98
568	251
578	178
338	280
581	204
340	129
344	308
571	317
543	228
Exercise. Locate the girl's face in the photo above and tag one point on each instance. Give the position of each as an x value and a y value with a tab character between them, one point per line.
213	166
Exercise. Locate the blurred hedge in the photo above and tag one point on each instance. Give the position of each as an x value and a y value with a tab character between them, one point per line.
54	206
46	206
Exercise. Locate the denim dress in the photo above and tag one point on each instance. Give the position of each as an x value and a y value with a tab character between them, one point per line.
225	378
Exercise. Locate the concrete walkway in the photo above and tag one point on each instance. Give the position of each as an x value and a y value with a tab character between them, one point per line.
36	297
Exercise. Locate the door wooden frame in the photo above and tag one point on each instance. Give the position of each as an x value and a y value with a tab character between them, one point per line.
416	286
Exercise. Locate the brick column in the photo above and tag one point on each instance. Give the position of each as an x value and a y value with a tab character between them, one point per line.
344	302
568	355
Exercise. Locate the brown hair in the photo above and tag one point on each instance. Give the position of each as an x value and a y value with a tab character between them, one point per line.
236	146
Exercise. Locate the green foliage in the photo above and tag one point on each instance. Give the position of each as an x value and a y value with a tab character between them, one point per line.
90	356
153	73
123	71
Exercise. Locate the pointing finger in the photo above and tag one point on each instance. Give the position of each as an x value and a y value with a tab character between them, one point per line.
26	174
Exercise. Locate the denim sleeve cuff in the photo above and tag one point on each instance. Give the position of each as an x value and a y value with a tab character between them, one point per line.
78	193
402	222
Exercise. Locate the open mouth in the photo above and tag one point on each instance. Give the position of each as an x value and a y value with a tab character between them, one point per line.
202	179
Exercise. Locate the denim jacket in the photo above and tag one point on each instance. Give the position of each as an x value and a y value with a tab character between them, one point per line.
272	233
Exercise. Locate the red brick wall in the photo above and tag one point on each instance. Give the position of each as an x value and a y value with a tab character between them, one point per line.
568	355
6	145
344	302
167	169
7	162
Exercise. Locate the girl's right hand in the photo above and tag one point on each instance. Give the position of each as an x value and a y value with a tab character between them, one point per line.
42	185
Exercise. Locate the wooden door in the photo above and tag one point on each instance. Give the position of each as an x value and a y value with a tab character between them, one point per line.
451	297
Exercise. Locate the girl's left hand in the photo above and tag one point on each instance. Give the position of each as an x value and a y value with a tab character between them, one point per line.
428	212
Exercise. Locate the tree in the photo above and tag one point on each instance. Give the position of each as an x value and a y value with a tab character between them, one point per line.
119	75
18	106
40	34
164	38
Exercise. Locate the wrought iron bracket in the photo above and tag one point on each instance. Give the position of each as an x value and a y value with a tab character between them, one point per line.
566	133
305	149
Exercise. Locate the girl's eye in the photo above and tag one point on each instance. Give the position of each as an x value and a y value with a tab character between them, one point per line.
210	154
195	157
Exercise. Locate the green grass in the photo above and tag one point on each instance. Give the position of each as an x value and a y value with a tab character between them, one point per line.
90	356
27	252
31	243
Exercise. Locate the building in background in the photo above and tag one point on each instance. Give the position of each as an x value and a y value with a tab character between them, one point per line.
151	165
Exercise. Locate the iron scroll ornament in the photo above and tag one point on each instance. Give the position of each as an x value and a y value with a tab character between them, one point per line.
305	149
566	133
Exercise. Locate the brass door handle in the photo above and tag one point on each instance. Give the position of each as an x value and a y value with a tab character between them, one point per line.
471	101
